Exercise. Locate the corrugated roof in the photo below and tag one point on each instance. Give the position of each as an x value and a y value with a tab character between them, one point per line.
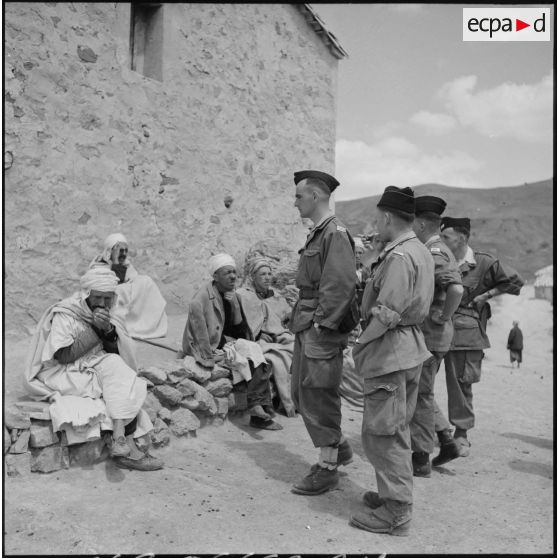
319	27
545	277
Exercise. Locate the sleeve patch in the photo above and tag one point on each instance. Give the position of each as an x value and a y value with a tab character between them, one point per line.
398	253
435	250
341	229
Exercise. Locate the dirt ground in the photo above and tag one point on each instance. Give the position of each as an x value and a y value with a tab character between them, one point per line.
228	490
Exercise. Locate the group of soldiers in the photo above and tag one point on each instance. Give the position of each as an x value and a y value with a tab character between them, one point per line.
422	304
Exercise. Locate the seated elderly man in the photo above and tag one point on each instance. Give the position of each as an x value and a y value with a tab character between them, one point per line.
217	331
267	314
82	361
139	302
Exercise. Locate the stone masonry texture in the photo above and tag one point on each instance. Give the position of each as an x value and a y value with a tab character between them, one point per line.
247	96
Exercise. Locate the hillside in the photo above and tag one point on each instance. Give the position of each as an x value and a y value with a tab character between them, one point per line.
514	223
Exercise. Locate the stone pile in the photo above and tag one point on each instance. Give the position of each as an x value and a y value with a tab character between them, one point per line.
182	396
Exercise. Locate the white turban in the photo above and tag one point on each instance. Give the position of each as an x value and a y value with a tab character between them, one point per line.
110	242
218	261
358	242
99	278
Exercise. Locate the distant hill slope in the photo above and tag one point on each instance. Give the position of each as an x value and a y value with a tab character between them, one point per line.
514	223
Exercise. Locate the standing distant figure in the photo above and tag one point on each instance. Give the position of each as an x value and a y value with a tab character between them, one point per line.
515	344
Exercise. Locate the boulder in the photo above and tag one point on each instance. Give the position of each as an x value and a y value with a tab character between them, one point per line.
17	464
151	406
167	395
154	374
49	459
195	371
187	387
164	414
219	388
39	410
21	445
160	435
88	453
220	372
183	421
42	434
222	404
199	394
15	418
191	404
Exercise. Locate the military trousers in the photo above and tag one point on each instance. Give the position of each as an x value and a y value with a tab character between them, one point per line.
316	372
428	417
389	405
463	369
258	388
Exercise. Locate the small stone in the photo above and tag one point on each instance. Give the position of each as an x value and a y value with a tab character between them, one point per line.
49	459
153	373
86	54
219	388
151	406
88	453
183	421
197	372
220	372
167	395
192	390
187	387
177	375
164	414
21	445
222	404
160	435
17	464
15	418
42	434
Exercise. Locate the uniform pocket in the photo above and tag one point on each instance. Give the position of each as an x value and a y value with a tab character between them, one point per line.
324	362
472	367
383	411
310	266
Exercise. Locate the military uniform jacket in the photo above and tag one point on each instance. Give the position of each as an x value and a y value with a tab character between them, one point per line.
446	272
479	276
396	301
325	278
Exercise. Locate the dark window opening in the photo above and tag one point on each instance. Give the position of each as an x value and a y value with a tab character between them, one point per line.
146	40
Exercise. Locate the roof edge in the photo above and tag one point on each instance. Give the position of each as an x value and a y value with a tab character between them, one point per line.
327	37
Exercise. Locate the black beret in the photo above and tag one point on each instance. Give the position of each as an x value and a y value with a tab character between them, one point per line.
330	181
429	203
452	222
402	199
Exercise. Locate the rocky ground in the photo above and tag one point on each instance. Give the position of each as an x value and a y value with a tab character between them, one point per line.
228	489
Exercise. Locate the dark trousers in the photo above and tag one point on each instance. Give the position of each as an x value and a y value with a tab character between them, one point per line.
316	372
258	389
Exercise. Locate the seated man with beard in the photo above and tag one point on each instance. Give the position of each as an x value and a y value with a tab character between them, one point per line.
217	332
82	361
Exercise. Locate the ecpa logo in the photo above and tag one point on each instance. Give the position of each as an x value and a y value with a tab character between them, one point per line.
506	24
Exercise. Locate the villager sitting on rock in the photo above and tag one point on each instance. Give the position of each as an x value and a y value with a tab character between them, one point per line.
217	332
139	303
266	314
82	361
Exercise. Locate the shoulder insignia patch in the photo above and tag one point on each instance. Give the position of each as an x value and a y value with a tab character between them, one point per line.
342	229
398	253
435	250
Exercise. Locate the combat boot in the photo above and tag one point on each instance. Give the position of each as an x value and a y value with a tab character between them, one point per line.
318	481
372	499
448	449
393	518
421	464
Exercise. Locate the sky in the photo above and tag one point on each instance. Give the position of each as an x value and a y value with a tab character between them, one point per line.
417	104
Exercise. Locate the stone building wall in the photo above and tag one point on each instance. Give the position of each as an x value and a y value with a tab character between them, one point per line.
246	95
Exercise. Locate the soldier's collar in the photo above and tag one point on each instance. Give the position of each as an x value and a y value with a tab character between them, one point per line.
399	240
432	239
322	221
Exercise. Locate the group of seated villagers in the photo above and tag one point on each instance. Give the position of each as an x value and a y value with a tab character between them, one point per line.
82	358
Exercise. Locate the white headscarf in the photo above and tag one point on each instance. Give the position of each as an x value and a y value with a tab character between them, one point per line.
358	242
110	242
98	278
218	261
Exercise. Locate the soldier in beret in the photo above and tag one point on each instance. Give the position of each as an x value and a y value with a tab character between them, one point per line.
438	332
389	355
484	277
326	282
